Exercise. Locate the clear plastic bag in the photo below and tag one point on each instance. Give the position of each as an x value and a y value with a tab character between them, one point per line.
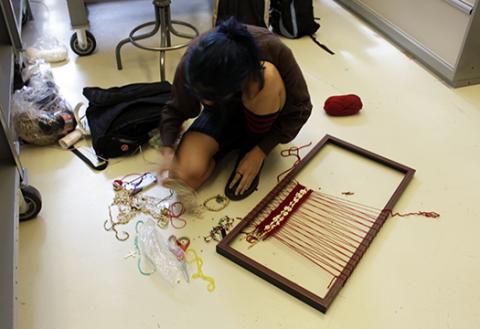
158	254
41	115
47	48
37	72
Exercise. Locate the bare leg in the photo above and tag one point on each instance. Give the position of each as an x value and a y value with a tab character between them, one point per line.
194	163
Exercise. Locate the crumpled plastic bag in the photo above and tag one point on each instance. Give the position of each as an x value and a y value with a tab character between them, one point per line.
158	253
41	115
47	48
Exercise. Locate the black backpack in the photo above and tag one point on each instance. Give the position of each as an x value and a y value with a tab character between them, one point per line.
293	18
250	12
120	118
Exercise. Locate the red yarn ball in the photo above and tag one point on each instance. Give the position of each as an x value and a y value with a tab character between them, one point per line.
343	105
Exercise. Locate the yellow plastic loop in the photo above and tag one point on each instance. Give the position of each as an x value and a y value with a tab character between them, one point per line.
200	275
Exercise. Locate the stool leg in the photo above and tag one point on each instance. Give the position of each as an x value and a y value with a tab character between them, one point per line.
155	29
164	39
117	52
168	26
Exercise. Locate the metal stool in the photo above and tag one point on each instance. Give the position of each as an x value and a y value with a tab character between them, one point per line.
162	23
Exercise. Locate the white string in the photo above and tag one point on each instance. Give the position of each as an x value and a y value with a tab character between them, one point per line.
146	160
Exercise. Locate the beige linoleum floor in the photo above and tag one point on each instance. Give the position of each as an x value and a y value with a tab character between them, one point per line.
419	273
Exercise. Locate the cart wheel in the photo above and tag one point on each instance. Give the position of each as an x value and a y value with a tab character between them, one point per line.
33	201
91	44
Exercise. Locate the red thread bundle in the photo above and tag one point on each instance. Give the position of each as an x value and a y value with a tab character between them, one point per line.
343	105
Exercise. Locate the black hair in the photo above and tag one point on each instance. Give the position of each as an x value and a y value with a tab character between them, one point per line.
217	66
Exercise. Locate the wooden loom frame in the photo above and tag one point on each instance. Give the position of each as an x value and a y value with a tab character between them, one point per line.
322	304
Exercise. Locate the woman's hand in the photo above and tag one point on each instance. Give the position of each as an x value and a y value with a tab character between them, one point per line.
167	161
247	169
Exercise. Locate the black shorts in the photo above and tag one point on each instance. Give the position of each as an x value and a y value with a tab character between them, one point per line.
227	125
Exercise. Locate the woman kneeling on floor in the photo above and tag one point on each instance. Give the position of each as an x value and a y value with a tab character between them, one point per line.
253	96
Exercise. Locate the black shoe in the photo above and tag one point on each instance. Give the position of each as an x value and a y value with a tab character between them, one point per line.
230	192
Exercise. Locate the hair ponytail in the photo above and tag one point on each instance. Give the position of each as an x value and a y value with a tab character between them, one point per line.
233	29
222	60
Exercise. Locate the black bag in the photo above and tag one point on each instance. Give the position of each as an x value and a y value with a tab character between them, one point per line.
250	12
120	118
293	18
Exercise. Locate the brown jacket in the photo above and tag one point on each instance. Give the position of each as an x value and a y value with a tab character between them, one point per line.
291	118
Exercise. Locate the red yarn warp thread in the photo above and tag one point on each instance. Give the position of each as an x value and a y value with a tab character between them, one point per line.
343	105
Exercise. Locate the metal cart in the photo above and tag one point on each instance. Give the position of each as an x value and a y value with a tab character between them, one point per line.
18	200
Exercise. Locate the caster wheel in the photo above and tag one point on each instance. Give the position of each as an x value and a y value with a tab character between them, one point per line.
33	200
91	44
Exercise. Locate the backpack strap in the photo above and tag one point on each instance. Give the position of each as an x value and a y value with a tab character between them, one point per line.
321	45
100	165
